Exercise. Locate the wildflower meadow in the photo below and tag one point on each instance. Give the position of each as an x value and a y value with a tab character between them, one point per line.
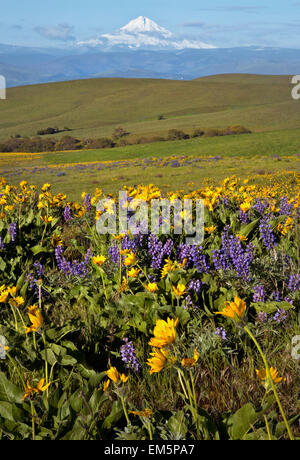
142	336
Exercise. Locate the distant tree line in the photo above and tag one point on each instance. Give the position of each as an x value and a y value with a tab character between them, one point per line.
119	138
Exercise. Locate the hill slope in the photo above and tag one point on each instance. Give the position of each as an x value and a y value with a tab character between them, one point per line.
93	108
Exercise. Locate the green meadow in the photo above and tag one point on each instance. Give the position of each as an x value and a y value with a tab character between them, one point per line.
94	108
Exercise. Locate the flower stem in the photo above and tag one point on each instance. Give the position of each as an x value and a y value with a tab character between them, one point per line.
271	381
32	421
125	410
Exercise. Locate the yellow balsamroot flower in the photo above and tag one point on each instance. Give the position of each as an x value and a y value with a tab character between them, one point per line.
39	389
16	301
4	347
147	413
46	187
179	290
181	264
119	237
130	259
79	211
98	215
47	219
151	287
235	310
56	240
99	260
167	268
36	319
210	229
110	207
106	385
4	295
42	204
284	229
263	378
124	285
164	333
115	376
245	206
160	358
133	273
9	207
241	237
190	362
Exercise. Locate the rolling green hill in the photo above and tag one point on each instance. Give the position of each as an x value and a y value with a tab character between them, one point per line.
94	108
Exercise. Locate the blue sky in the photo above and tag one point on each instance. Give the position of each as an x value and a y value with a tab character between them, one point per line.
217	22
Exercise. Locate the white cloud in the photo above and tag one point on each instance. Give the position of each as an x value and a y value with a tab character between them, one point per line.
62	32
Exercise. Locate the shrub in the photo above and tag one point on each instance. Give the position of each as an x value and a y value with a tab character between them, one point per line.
177	135
43	132
119	133
211	132
198	133
101	143
238	129
68	143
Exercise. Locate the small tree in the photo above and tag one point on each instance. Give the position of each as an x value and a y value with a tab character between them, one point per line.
119	133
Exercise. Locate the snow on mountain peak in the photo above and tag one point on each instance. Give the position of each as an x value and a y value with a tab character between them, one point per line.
141	33
143	24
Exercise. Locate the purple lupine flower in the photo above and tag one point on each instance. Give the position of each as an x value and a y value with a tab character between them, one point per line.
76	268
243	216
39	269
158	251
67	214
259	294
33	278
114	253
220	332
276	296
266	234
294	283
87	202
2	245
232	255
128	356
195	286
225	200
194	257
285	208
280	316
12	230
262	317
260	206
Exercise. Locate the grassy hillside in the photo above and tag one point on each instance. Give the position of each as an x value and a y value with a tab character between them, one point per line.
93	108
174	166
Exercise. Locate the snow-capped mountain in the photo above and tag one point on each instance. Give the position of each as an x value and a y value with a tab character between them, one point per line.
143	33
145	25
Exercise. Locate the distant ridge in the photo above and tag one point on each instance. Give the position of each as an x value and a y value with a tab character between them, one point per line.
26	66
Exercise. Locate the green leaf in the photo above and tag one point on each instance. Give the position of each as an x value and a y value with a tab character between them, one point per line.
8	391
271	307
114	416
177	425
245	418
